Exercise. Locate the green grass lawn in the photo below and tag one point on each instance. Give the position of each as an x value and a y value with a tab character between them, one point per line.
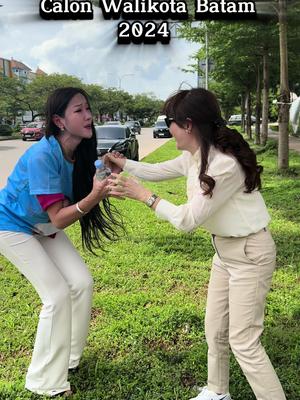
146	340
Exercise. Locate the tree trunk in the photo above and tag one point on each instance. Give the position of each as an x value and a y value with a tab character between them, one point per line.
283	117
258	105
243	112
248	114
265	95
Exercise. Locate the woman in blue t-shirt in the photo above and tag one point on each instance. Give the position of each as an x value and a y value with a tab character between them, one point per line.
51	187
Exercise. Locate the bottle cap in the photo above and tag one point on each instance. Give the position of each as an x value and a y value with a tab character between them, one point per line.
99	164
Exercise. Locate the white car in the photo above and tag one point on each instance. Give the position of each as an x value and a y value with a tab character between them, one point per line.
113	123
161	118
237	119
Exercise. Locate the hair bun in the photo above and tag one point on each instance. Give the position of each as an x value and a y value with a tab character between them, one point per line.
219	122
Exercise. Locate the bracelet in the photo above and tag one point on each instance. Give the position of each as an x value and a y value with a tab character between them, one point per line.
79	209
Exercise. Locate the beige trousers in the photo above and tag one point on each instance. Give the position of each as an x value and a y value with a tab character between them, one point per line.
240	280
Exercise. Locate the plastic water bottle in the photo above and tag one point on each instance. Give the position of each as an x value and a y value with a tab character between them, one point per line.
102	171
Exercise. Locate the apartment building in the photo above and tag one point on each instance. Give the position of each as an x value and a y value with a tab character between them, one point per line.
14	68
5	68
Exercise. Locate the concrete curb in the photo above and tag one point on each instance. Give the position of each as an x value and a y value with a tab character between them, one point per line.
2	138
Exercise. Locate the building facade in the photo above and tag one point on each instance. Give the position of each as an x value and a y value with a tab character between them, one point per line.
14	68
5	68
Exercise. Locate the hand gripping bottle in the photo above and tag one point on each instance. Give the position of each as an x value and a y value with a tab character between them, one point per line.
102	171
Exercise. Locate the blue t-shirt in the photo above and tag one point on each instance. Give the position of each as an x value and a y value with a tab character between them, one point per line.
42	169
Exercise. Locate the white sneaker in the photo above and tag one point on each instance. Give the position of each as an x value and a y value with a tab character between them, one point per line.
209	395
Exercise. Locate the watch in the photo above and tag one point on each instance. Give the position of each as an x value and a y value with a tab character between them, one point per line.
151	200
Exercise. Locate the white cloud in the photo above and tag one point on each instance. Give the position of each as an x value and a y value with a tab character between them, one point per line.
89	50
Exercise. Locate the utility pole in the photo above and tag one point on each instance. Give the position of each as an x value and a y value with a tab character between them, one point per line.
196	24
121	77
206	58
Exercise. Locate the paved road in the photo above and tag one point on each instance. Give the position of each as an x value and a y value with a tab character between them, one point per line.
147	143
294	142
11	150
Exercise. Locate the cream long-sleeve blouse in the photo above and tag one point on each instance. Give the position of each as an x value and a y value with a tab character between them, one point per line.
229	212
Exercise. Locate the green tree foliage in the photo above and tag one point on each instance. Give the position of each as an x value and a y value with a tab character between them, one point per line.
17	97
145	106
235	50
116	100
12	98
97	98
246	61
38	90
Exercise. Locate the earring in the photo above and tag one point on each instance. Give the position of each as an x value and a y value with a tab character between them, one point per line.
62	129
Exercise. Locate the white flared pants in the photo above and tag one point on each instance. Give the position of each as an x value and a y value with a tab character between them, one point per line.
64	284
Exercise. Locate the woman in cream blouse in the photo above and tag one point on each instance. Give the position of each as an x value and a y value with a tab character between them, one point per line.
223	182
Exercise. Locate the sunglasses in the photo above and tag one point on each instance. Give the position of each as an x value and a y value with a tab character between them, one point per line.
168	121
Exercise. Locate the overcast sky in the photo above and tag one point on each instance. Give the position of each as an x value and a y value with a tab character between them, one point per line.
89	50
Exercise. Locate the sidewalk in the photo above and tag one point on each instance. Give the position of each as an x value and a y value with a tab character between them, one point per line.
294	142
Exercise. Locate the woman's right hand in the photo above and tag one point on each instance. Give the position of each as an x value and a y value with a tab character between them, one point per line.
115	161
100	189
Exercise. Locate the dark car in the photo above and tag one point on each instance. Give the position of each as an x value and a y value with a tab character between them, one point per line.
135	126
161	130
34	130
119	138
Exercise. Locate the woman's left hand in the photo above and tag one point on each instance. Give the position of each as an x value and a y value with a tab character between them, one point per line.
120	186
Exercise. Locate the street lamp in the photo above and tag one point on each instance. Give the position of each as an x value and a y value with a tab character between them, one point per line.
197	24
206	58
121	77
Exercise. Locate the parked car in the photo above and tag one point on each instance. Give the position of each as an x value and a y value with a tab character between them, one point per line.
237	120
34	130
161	130
5	130
135	126
119	138
112	123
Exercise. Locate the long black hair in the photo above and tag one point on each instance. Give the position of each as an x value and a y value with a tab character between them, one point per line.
102	220
202	108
